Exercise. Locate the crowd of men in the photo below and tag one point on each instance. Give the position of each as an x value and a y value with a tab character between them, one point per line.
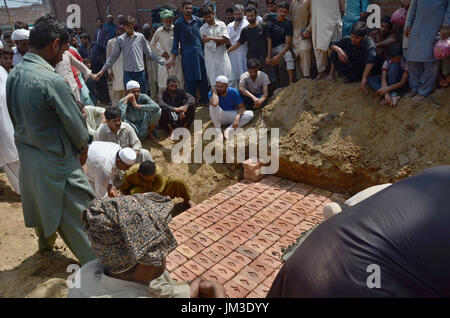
69	151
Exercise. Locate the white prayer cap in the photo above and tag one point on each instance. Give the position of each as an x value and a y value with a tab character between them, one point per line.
331	209
128	156
222	79
132	85
20	34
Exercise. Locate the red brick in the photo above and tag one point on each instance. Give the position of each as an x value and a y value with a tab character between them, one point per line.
240	258
313	219
223	271
176	278
228	206
213	215
262	241
269	260
214	277
237	238
256	276
274	192
255	178
241	214
203	222
232	244
293	217
245	182
245	282
180	237
196	226
219	229
235	290
237	187
212	254
186	250
261	290
280	205
253	295
244	232
259	222
185	274
188	230
271	180
303	188
266	197
258	187
199	209
232	264
306	224
269	235
246	195
219	198
210	203
227	225
321	193
247	251
221	248
246	211
175	224
195	245
267	216
275	250
276	229
269	280
291	197
188	216
177	257
229	192
303	207
194	267
264	269
285	226
251	164
285	241
285	184
256	246
204	261
213	235
170	264
251	227
181	219
257	204
311	201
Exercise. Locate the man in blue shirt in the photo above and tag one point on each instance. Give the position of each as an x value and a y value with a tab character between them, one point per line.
110	26
226	108
186	36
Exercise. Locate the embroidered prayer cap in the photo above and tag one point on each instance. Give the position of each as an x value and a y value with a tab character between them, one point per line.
132	85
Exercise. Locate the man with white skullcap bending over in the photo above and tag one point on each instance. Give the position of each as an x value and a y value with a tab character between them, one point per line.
226	108
20	37
103	162
140	111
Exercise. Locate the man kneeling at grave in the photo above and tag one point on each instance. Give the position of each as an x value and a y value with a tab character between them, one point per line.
226	108
147	177
131	238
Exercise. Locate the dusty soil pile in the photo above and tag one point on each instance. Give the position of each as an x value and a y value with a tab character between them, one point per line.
334	136
26	273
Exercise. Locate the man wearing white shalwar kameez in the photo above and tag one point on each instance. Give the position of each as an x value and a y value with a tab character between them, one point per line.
9	157
238	57
118	89
326	26
215	36
162	44
300	14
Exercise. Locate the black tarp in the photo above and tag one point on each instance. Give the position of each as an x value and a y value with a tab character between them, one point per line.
404	229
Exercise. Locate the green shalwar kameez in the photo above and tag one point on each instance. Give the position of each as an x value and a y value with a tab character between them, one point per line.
141	119
49	133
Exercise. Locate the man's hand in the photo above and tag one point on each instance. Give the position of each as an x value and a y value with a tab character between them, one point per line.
182	115
236	122
111	76
363	85
306	34
112	191
129	97
342	56
84	113
258	103
275	60
407	31
268	61
206	38
382	91
181	109
206	289
165	55
84	155
98	76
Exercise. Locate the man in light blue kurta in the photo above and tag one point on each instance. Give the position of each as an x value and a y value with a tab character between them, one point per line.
425	19
50	132
353	10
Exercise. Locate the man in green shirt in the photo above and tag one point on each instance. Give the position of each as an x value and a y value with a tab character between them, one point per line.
50	132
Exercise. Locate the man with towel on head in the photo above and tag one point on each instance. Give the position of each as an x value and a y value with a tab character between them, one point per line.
103	162
131	238
20	37
139	111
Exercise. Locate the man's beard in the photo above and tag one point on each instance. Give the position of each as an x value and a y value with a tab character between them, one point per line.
167	27
238	19
252	21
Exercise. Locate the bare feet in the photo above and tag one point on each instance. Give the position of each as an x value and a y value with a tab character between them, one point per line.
395	100
411	94
321	75
418	98
388	99
331	77
382	102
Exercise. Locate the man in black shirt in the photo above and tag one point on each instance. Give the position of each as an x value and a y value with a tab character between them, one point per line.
356	57
281	31
255	35
178	107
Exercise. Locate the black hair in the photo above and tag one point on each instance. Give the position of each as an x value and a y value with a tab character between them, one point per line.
7	35
20	25
252	2
85	36
386	19
147	168
270	1
253	63
7	50
129	21
229	10
250	8
101	19
47	29
283	4
208	9
359	29
395	49
86	60
112	113
171	79
185	2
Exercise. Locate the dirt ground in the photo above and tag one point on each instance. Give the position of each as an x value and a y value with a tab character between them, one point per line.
26	273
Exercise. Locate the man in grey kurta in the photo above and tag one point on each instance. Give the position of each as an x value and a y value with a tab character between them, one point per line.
425	18
50	132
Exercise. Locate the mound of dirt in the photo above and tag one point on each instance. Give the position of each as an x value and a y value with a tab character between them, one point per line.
334	136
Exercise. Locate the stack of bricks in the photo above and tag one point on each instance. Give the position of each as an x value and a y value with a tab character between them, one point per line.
252	169
236	236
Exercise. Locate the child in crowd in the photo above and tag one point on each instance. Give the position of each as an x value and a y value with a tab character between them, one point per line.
6	58
394	76
91	83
